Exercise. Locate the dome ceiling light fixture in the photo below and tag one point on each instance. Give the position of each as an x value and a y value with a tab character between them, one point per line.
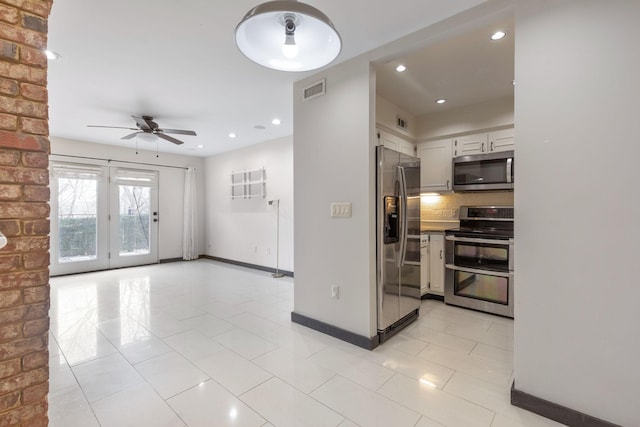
288	35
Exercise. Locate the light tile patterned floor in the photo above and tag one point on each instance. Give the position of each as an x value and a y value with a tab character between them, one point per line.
207	344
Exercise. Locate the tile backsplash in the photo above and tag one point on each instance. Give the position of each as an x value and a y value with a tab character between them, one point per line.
446	208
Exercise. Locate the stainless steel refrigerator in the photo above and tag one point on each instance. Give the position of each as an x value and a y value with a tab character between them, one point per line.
397	240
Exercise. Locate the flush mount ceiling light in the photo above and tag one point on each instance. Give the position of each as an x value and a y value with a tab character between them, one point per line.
287	35
441	101
401	68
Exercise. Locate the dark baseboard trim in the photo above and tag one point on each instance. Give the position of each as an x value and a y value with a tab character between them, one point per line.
555	412
433	296
342	334
167	260
247	265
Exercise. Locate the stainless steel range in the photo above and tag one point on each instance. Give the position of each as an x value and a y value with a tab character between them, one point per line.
479	260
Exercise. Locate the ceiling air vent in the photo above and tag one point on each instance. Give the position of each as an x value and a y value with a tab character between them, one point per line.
401	123
313	91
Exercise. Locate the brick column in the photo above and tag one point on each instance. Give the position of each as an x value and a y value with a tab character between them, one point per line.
24	213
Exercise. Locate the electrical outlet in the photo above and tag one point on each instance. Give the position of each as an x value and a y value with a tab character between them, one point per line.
335	291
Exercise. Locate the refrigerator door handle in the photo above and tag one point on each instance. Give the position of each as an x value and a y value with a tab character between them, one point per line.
402	179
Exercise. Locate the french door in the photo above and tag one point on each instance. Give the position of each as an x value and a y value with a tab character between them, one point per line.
102	217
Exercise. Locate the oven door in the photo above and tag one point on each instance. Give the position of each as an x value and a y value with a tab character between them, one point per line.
479	253
483	290
479	274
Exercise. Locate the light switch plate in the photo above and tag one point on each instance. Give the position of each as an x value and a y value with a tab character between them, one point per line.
341	209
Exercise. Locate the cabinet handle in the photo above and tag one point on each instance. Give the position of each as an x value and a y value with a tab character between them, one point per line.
491	147
440	253
448	181
482	149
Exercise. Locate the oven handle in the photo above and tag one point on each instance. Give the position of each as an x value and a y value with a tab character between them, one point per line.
509	170
474	240
476	271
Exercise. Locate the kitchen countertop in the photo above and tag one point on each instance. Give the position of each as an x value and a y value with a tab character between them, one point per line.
437	226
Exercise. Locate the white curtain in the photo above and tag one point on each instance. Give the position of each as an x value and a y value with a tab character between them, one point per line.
190	225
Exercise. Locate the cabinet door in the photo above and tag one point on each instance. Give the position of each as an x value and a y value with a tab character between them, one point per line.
502	140
436	264
388	140
407	147
424	269
470	144
435	166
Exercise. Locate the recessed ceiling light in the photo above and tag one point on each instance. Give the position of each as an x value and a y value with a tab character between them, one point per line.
400	68
498	35
275	121
441	101
52	55
232	135
199	146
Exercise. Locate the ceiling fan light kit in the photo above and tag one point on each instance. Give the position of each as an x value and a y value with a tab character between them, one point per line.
288	35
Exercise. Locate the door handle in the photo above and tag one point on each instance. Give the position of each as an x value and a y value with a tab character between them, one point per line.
440	253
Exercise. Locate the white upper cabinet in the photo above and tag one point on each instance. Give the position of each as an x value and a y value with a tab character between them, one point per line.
481	143
396	143
435	166
502	140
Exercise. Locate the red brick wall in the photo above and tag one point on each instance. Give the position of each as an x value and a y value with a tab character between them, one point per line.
24	213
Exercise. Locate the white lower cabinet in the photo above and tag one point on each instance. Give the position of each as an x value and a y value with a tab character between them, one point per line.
436	264
432	265
424	265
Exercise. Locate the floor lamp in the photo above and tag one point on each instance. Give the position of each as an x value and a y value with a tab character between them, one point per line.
277	274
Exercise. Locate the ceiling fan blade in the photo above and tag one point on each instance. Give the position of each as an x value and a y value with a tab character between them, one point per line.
178	131
144	123
169	138
131	135
110	127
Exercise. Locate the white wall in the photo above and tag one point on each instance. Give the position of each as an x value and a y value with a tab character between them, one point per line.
170	188
490	115
334	162
577	207
245	229
386	115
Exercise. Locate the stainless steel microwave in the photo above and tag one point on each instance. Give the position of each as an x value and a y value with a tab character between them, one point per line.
483	172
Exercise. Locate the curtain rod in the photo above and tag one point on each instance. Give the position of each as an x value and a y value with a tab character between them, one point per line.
119	161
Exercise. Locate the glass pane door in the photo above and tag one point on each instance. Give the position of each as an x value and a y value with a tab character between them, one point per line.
79	228
134	217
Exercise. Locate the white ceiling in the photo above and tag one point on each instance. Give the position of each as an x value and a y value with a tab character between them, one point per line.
177	61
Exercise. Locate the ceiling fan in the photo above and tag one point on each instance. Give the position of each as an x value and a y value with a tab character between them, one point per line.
146	125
